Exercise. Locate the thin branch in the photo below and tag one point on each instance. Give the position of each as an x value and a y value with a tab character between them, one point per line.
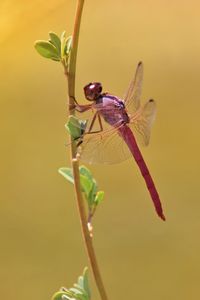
70	73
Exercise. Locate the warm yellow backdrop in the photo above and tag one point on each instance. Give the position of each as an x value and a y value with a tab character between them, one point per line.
40	242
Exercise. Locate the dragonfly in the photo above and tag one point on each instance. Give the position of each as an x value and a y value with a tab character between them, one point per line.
116	126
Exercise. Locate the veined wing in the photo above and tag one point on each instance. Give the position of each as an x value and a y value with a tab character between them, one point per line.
142	121
133	94
101	145
106	147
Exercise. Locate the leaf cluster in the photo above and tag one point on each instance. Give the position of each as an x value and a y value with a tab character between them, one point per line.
56	48
88	186
76	127
79	291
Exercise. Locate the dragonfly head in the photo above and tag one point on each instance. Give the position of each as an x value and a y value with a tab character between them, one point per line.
93	91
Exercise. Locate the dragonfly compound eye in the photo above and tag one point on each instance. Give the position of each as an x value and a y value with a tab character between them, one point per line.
92	91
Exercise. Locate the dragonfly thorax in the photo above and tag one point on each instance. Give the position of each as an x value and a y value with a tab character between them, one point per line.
112	109
93	91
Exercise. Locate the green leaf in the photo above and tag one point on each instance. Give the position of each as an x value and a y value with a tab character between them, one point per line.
80	282
47	50
93	185
63	43
65	297
86	282
94	190
73	127
85	172
80	291
55	40
86	185
91	196
99	197
77	286
59	296
67	174
68	45
77	291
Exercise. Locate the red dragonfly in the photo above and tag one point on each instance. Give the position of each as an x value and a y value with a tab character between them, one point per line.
119	122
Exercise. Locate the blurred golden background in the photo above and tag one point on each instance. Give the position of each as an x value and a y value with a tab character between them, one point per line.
140	256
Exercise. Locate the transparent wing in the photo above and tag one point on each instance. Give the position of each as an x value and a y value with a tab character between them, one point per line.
104	148
102	145
133	94
142	121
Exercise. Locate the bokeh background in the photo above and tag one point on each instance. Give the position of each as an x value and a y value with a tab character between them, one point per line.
140	256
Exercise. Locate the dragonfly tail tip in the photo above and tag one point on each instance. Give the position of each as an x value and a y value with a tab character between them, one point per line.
162	216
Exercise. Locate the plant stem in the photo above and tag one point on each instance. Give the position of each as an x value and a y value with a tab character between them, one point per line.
70	73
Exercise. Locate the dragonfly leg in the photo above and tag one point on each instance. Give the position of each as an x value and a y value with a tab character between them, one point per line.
100	123
96	115
78	107
90	128
79	143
